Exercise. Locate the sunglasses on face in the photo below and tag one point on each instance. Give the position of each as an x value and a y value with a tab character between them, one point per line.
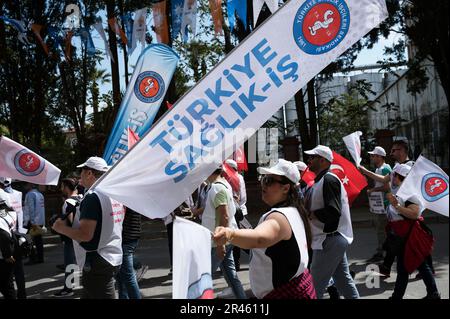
270	180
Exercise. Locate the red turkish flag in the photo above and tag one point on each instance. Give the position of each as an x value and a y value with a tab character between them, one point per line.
354	182
132	138
232	177
239	157
308	177
169	105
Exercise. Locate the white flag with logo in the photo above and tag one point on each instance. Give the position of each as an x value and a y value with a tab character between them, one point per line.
234	99
139	28
353	143
17	161
191	261
429	183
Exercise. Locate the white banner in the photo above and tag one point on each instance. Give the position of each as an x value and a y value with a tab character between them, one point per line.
191	261
353	143
17	161
230	103
376	203
428	182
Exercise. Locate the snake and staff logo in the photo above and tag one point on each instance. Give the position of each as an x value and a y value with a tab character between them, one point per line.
28	163
149	87
320	25
434	187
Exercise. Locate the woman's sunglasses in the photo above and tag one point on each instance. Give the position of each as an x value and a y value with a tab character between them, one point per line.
269	180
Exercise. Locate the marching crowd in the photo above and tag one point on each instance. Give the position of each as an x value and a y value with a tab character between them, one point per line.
298	249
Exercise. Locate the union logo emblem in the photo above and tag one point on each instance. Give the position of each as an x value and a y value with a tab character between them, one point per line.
28	163
320	25
434	187
149	87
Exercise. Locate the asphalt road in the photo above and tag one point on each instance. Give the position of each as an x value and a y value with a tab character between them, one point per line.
43	280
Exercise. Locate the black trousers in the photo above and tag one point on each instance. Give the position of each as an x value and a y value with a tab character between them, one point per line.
19	275
6	280
98	278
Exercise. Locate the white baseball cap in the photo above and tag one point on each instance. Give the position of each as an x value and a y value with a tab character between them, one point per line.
402	169
300	165
322	151
6	181
232	163
282	168
96	163
378	150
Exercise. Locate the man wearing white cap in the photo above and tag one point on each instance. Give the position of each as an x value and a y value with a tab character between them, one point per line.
331	226
219	211
377	157
97	234
15	202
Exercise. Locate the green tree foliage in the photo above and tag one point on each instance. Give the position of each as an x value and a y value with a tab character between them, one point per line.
344	115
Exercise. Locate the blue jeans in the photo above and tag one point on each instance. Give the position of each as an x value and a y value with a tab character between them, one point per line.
69	259
229	271
331	262
126	278
402	278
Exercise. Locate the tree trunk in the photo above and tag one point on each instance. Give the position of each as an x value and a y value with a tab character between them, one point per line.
115	77
312	112
124	46
302	120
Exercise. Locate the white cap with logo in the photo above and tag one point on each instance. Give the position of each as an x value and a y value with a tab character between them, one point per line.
402	169
378	150
96	163
282	168
232	163
300	166
322	151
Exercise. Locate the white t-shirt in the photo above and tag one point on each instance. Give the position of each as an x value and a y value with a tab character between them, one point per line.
209	215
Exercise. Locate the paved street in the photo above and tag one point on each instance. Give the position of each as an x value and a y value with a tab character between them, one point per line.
45	279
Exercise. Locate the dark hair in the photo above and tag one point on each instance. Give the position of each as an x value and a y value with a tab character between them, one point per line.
294	201
403	144
71	183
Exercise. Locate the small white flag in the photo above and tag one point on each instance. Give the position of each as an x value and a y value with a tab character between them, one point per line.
17	161
99	27
189	18
191	261
429	183
353	143
139	28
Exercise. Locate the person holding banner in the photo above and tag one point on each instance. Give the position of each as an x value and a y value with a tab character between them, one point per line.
409	239
378	201
97	234
331	227
278	267
219	211
15	198
8	220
